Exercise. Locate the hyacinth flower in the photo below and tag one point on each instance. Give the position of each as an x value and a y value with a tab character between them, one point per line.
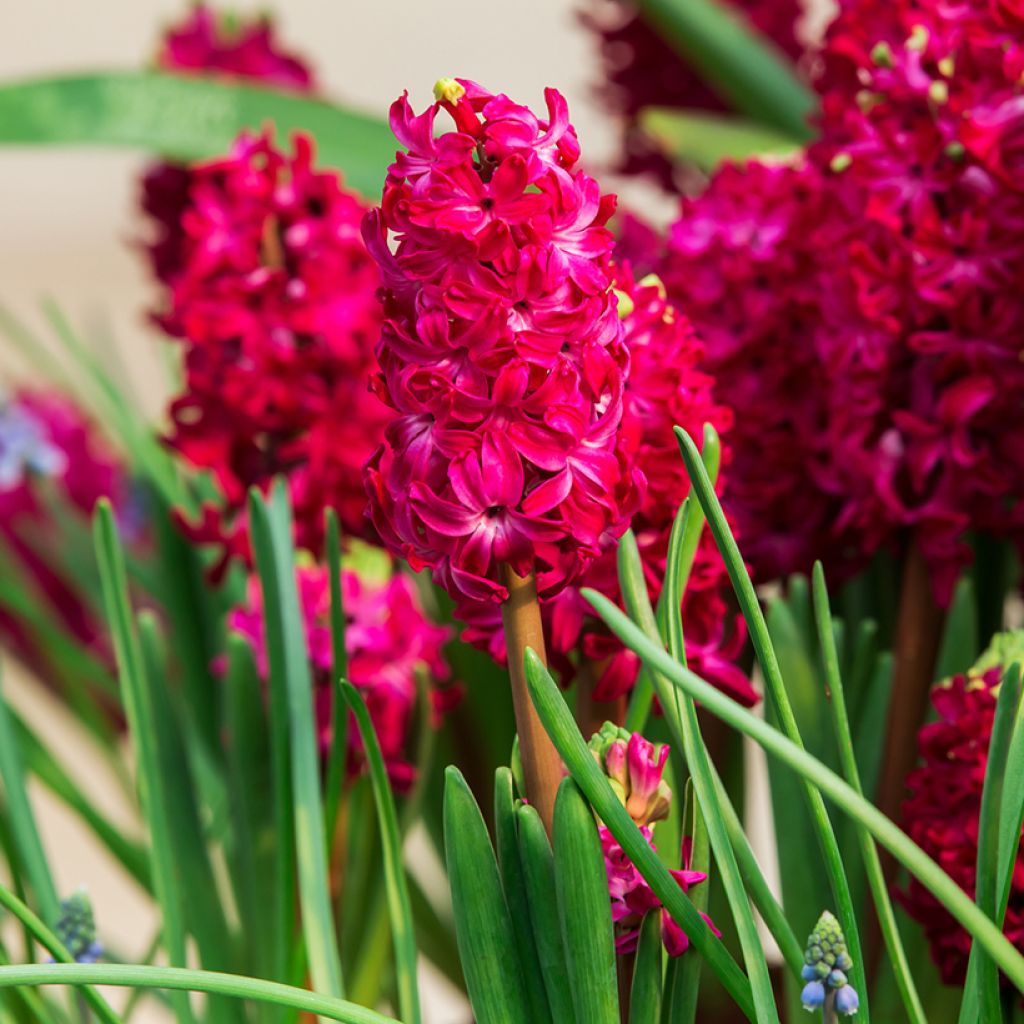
388	639
634	766
76	928
942	810
502	354
825	970
207	43
275	310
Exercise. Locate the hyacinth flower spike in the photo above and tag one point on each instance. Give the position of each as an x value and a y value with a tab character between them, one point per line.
502	352
826	967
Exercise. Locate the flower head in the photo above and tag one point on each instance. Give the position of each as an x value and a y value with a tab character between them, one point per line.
942	809
76	928
501	349
634	767
826	963
388	639
276	311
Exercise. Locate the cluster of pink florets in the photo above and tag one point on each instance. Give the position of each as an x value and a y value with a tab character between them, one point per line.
502	350
388	639
275	307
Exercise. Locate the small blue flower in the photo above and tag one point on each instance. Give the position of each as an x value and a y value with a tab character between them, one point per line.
813	995
76	928
809	973
24	447
847	1000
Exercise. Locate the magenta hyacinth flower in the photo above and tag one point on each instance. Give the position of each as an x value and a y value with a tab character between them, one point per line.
635	768
388	638
501	350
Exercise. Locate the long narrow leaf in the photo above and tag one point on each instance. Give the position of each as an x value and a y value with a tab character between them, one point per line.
187	117
335	774
645	991
959	905
290	674
836	701
561	727
402	932
778	698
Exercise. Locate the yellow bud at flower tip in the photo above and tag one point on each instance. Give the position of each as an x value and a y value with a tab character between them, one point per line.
840	162
448	90
626	304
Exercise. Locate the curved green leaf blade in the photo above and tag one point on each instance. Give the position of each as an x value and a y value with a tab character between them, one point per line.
483	928
188	118
584	908
645	992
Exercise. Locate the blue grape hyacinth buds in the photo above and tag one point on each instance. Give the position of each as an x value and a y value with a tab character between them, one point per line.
76	928
826	965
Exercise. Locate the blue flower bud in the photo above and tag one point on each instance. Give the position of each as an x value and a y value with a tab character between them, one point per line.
809	972
813	995
76	929
836	979
847	1000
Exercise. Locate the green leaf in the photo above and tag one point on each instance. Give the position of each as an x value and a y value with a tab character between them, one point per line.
181	980
336	756
703	139
143	728
959	645
539	874
584	908
561	727
22	817
981	992
778	699
645	992
836	701
742	66
188	117
681	715
513	882
399	909
291	679
819	775
487	946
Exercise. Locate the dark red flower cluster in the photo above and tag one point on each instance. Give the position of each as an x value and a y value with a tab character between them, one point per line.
501	350
941	813
667	387
642	70
276	310
211	45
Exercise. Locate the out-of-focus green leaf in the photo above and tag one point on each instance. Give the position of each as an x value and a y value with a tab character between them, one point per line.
742	66
188	117
645	992
706	140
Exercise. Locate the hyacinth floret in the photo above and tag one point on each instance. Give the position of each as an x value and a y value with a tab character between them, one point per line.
826	965
501	349
635	767
389	641
76	928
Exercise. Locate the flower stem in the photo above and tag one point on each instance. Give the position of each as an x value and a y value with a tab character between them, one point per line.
828	1011
542	767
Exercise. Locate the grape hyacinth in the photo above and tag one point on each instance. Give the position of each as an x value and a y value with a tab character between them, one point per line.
276	310
501	350
825	970
208	44
76	928
943	805
388	638
634	767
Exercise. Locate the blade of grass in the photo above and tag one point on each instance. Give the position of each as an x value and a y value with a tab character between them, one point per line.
539	875
483	928
339	670
779	701
681	715
290	676
22	817
645	992
140	714
903	848
513	882
182	980
836	700
558	721
584	909
52	944
402	932
981	991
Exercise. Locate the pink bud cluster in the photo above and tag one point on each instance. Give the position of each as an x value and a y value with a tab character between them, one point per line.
275	307
388	639
501	349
